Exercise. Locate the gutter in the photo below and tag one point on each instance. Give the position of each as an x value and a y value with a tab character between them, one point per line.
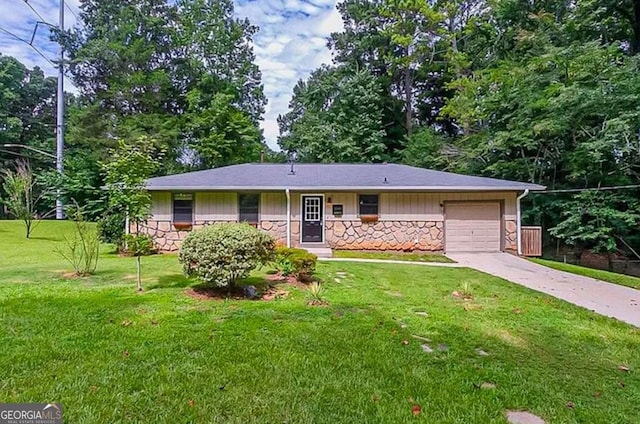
385	188
288	193
519	219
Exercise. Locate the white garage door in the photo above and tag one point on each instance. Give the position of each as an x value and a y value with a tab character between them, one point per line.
472	227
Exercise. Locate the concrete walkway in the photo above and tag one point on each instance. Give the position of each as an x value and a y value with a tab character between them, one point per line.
392	261
604	298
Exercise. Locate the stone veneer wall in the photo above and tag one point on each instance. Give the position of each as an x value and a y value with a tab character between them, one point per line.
169	239
277	229
385	235
510	236
347	235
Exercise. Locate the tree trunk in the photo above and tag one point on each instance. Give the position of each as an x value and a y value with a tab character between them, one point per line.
408	91
139	274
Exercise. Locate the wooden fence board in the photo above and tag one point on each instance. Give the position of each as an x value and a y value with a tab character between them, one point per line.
531	241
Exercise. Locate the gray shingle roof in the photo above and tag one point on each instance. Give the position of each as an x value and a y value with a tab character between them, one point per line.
270	176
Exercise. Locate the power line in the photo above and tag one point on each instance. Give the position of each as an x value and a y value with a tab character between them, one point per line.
16	154
70	10
577	190
34	10
30	44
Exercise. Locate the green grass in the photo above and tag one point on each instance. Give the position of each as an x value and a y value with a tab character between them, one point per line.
112	355
397	256
611	277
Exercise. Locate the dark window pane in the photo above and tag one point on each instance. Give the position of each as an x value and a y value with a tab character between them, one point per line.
249	206
368	204
183	209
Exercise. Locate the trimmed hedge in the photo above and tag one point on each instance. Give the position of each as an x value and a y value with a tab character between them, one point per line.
222	254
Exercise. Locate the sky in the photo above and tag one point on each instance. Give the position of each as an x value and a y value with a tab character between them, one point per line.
290	44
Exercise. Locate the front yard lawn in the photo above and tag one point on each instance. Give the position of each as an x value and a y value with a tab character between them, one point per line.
598	274
109	354
398	256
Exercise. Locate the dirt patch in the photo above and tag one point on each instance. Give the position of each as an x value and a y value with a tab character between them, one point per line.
273	293
289	279
508	337
321	303
73	276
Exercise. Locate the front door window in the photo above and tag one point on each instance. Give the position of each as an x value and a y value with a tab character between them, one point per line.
312	219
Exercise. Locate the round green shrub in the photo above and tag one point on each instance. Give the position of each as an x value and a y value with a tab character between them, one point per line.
221	254
297	262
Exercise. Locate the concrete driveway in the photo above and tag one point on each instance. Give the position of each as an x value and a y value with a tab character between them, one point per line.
604	298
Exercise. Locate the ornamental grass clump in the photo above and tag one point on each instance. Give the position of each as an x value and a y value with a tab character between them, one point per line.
222	254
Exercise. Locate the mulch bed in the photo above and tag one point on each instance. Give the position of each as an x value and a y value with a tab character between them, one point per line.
270	293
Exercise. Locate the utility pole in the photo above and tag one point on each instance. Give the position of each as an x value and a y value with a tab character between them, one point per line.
60	117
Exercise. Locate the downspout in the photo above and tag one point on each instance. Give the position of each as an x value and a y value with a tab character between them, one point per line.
288	193
518	221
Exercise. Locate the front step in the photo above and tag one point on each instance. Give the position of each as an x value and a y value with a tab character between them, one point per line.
320	251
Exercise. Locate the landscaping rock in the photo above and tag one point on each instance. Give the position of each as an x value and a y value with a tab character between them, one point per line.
426	348
523	417
443	347
251	292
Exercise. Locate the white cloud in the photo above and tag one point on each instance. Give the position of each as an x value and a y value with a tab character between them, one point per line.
290	44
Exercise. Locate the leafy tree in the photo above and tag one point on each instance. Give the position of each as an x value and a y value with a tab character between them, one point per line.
219	49
27	105
555	108
412	28
22	194
428	149
597	220
131	164
221	134
27	117
336	116
168	69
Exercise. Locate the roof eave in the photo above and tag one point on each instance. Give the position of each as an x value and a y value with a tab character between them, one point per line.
531	187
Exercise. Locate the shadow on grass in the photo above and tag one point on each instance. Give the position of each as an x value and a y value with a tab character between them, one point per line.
45	238
170	281
258	282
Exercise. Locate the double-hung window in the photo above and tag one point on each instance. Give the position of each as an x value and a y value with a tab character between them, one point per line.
183	208
249	206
